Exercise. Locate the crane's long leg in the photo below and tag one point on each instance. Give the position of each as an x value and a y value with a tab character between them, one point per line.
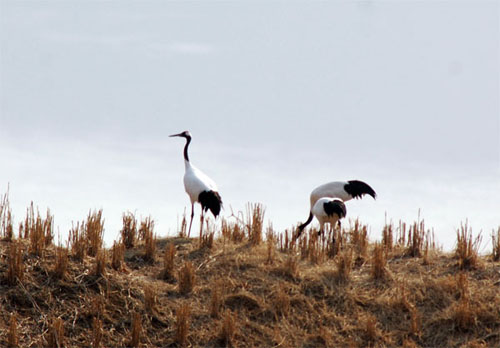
191	222
202	220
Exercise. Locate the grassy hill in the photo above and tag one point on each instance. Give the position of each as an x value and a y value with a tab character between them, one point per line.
233	287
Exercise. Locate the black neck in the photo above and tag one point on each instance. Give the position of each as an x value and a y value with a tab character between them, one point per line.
188	140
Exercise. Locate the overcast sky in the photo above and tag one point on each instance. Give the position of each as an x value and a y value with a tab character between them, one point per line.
280	97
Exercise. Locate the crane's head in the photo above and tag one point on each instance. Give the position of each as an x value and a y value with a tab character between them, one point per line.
184	134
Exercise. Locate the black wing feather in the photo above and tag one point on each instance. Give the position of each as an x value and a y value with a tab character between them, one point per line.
358	188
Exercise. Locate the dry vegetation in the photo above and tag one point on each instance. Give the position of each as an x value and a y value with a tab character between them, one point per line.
236	289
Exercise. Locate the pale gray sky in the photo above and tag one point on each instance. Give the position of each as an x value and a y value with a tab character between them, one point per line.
279	96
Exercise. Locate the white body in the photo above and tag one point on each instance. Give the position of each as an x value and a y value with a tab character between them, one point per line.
195	182
319	212
333	189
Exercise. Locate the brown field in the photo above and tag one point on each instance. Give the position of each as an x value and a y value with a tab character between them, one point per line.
244	286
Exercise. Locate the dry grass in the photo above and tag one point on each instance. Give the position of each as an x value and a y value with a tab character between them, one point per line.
38	230
495	242
232	232
271	244
94	230
129	230
168	263
255	222
182	324
61	265
146	227
388	237
117	255
378	262
281	301
344	265
183	229
150	298
150	242
228	329
78	242
100	263
242	300
15	271
207	239
358	236
217	293
290	267
96	332
136	330
467	248
186	278
6	228
55	334
12	338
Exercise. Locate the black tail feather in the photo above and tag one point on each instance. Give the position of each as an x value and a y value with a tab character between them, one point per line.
358	188
210	200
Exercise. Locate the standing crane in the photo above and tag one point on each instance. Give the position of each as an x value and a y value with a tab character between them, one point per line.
199	187
344	190
328	210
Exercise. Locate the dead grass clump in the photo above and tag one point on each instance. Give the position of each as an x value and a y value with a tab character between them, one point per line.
61	264
379	262
216	297
129	230
207	239
255	222
94	230
495	241
463	314
186	278
38	230
12	336
270	243
371	332
15	270
467	248
168	263
344	262
182	324
388	236
416	238
287	241
78	242
96	332
228	329
290	268
55	334
117	255
149	298
136	330
100	263
243	300
415	324
358	236
146	227
281	301
183	229
6	229
150	245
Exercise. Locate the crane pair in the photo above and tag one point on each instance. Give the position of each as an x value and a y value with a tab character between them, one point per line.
327	201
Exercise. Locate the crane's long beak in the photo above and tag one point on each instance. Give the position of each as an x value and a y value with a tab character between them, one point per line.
176	135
